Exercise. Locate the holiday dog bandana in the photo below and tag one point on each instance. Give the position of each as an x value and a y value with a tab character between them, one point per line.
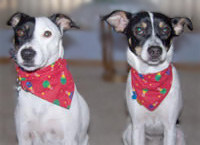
53	83
150	89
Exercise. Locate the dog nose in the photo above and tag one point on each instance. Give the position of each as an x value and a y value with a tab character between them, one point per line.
28	54
155	51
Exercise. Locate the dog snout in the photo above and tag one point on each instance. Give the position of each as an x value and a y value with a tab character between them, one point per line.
28	54
155	51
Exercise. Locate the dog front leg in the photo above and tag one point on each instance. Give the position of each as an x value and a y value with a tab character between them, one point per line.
180	140
24	136
25	139
138	135
170	135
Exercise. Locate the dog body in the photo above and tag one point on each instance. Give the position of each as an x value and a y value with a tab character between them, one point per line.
38	44
150	51
163	119
48	124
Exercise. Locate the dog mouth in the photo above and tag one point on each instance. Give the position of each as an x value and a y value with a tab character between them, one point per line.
155	61
28	64
151	60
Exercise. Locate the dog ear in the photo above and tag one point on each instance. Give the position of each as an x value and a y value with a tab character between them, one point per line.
118	19
63	22
15	19
178	24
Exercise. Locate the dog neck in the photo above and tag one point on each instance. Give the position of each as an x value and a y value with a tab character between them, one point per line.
144	68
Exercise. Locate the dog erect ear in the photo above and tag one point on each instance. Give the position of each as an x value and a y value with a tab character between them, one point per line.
15	19
178	24
118	19
63	22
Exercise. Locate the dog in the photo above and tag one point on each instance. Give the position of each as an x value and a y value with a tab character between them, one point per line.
51	111
153	90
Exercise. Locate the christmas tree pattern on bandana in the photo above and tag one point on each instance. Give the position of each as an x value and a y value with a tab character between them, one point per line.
53	83
151	89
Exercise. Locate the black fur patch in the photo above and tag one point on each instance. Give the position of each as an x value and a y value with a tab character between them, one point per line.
27	25
136	40
166	39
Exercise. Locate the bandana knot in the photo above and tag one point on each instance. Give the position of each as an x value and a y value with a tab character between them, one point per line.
53	83
151	89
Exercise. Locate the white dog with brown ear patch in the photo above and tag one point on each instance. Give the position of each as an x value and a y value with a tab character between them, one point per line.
50	111
153	91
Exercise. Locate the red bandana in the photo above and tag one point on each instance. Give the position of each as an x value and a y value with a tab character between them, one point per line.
150	90
53	83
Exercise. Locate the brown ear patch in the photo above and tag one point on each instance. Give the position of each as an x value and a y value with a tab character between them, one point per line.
14	19
179	26
119	20
63	22
179	23
19	17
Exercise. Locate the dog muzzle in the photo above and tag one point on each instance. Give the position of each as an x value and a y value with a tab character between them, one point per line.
53	83
151	89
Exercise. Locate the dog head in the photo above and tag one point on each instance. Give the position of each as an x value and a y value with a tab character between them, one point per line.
38	41
149	34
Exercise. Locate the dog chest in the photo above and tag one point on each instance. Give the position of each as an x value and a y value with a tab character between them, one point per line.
154	126
40	112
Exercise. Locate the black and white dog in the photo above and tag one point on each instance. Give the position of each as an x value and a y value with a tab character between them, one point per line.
38	47
150	36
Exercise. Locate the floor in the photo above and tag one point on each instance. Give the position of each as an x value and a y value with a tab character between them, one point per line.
106	102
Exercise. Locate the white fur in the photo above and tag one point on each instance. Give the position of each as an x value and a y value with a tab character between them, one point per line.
152	22
39	122
150	125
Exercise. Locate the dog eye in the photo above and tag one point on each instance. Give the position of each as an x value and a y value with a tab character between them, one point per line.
47	34
20	33
165	30
139	30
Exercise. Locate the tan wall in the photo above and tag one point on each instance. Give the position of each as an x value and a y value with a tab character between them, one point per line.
189	8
